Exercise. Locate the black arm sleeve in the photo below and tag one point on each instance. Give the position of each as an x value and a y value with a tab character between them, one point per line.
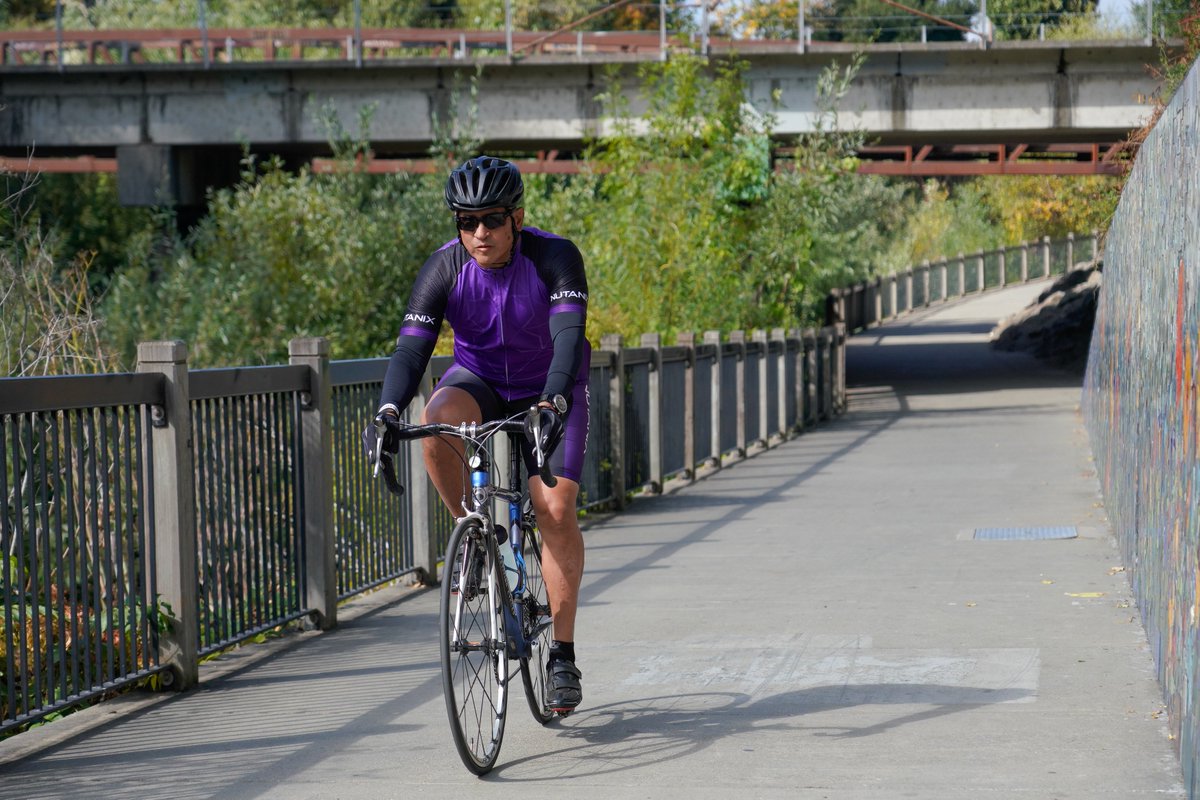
567	331
561	268
404	371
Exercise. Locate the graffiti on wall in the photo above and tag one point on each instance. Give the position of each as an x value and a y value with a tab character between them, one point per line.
1141	402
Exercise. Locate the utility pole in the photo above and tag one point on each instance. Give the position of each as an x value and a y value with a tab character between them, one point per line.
508	28
800	24
204	32
358	47
58	28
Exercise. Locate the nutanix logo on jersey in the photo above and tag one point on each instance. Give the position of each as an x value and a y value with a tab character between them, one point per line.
422	318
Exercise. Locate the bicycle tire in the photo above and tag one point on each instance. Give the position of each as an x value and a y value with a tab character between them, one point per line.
539	629
475	666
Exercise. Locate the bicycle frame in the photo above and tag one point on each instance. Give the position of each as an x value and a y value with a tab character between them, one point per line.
483	492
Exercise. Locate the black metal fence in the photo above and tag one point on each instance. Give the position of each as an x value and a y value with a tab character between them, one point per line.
155	517
79	609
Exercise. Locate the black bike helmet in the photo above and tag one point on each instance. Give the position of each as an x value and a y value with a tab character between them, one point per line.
484	182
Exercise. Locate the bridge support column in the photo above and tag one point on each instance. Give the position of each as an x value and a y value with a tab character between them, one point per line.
157	175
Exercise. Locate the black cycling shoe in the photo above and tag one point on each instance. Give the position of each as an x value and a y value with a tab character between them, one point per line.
565	692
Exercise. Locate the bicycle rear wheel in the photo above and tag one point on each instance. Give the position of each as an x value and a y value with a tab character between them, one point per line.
539	629
475	667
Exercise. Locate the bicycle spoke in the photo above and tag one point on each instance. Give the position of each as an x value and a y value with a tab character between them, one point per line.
539	630
474	665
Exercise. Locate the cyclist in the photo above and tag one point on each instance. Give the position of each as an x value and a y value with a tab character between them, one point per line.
516	299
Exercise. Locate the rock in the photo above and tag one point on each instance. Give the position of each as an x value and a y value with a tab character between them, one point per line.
1057	327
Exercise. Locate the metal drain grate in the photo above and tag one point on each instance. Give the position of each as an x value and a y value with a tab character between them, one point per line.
1025	534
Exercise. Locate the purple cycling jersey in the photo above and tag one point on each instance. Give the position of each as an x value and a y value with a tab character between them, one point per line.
520	327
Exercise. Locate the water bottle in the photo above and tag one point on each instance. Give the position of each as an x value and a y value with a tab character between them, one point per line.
510	560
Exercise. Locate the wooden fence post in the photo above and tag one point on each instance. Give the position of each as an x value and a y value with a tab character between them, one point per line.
655	432
612	342
781	390
688	339
421	498
316	443
174	512
760	338
714	338
739	338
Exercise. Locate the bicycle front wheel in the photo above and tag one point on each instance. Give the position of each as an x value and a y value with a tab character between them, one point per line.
475	667
539	629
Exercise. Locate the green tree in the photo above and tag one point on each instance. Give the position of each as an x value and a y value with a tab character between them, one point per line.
282	255
88	222
25	13
873	20
1023	19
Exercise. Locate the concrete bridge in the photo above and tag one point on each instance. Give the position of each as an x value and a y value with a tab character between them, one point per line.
933	101
826	618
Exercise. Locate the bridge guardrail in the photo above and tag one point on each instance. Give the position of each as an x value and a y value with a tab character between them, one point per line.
152	518
870	303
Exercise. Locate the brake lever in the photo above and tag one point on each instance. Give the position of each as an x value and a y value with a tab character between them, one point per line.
548	479
380	431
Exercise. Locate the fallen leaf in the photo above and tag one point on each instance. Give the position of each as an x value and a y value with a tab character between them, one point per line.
1084	594
1047	582
1115	570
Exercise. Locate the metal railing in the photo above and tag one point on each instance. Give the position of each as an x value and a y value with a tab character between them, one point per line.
886	297
204	46
152	518
79	609
249	504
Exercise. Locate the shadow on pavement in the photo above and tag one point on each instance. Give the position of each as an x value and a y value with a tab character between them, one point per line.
633	733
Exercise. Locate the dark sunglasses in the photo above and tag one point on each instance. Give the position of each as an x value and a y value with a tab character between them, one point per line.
490	221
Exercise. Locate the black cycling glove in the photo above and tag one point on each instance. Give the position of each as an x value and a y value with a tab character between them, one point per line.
390	427
391	436
550	431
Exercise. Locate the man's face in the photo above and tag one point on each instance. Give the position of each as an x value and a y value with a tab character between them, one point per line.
490	247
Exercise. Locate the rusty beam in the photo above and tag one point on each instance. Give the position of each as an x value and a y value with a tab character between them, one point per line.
969	168
77	164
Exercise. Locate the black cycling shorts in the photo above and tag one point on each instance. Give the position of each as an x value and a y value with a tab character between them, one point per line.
567	459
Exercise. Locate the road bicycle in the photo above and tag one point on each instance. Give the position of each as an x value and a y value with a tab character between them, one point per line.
494	608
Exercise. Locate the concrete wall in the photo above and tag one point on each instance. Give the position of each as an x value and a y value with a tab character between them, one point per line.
1142	402
1052	92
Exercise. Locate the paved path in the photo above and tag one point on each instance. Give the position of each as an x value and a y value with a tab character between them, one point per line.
815	622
